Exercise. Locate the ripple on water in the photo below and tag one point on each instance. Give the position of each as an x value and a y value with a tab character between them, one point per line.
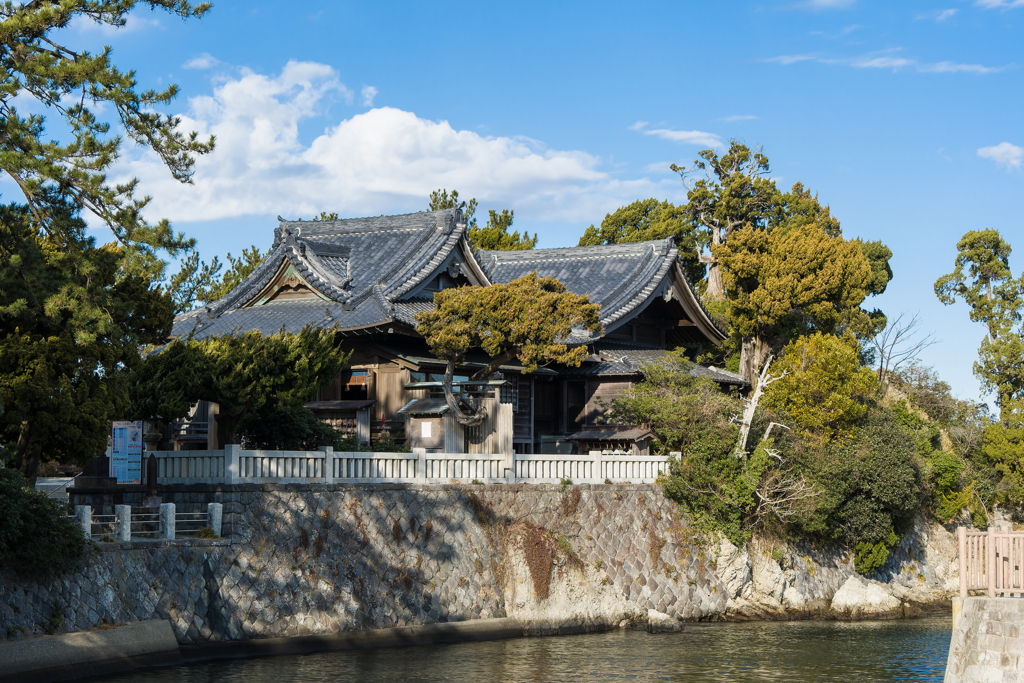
796	652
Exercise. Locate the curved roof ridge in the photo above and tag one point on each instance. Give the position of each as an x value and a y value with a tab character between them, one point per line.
395	288
669	258
406	221
404	263
628	281
257	280
488	258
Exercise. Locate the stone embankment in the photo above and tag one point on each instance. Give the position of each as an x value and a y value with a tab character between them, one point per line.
310	560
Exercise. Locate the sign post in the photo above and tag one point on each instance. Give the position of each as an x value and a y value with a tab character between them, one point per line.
126	452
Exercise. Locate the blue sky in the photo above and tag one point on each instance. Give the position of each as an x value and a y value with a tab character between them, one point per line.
904	117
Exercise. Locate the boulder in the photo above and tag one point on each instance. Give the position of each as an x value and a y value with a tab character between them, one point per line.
659	622
733	567
858	596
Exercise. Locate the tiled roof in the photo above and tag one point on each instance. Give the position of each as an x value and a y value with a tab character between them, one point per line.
624	358
618	277
367	272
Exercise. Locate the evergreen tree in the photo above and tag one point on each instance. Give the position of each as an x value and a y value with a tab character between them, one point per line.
649	219
495	235
523	320
70	322
78	87
983	280
248	375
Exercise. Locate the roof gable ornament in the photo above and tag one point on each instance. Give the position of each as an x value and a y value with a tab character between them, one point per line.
287	283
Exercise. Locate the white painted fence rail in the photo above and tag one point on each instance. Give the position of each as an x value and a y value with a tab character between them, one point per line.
235	466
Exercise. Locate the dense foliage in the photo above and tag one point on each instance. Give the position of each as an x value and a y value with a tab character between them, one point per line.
852	469
36	536
71	321
248	374
526	320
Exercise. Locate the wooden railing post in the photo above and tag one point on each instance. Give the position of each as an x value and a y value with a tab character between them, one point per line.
990	561
961	540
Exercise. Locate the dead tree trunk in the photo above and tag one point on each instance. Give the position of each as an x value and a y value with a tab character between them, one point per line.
750	405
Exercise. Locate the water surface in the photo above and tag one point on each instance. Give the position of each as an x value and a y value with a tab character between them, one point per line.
906	650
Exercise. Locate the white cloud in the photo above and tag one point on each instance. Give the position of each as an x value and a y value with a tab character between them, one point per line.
203	61
1004	154
368	92
380	161
739	117
693	137
894	63
885	60
639	125
999	4
945	14
954	68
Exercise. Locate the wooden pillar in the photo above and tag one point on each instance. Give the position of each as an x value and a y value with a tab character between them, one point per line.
965	565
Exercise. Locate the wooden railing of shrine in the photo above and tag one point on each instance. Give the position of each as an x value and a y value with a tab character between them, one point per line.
991	561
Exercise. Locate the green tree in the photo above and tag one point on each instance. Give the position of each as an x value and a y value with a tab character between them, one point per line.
79	87
248	375
527	319
198	283
725	193
36	536
495	235
824	388
982	279
649	219
70	322
782	282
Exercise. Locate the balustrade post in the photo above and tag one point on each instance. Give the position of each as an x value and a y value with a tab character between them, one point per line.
421	465
965	570
123	523
84	515
231	462
597	463
510	472
167	520
990	561
328	464
215	517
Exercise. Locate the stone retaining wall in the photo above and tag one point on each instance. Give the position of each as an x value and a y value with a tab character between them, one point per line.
327	559
988	642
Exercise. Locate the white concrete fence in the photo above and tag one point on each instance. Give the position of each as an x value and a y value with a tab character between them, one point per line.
232	465
163	524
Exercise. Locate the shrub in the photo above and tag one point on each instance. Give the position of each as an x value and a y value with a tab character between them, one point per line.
291	429
825	387
873	489
36	535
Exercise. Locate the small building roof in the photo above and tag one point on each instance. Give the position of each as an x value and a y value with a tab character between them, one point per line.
424	406
339	405
612	433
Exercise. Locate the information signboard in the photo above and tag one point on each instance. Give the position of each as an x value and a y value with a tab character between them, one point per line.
126	452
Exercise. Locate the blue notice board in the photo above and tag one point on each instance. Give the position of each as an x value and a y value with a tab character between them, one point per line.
126	452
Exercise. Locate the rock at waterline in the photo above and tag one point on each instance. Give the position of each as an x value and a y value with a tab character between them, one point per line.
858	595
659	622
